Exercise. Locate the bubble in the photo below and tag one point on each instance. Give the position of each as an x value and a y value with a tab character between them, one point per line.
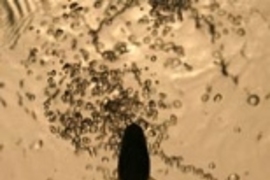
217	97
177	104
152	133
88	167
37	145
1	147
205	97
222	12
146	40
93	129
121	47
183	169
162	95
225	31
241	32
2	84
162	104
259	136
30	96
86	140
198	172
212	165
189	168
58	33
237	129
173	119
73	5
208	176
217	36
253	100
153	58
105	159
233	177
53	129
109	55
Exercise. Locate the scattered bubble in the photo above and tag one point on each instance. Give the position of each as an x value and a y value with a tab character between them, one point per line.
225	31
173	119
212	165
53	129
198	172
3	102
152	133
37	145
259	136
237	129
146	40
1	147
222	12
253	100
30	96
153	58
241	32
88	167
121	47
205	97
177	104
109	55
217	97
105	159
2	85
233	177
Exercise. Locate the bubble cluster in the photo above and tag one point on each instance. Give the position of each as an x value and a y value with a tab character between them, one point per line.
94	99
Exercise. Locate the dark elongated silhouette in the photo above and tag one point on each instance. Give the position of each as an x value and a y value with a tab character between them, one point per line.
134	161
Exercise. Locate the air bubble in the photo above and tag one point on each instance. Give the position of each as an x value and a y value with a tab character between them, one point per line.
253	100
212	165
37	145
173	119
208	176
225	31
153	58
177	104
222	12
241	32
2	84
86	140
88	167
1	147
237	129
105	159
183	169
198	171
121	47
205	97
109	55
233	177
217	97
147	40
53	129
152	133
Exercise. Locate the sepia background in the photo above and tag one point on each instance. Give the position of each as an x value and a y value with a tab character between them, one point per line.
208	73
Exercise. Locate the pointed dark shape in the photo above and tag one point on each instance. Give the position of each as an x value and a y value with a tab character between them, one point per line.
134	161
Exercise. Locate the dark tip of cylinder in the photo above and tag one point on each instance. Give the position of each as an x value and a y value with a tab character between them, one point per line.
134	161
